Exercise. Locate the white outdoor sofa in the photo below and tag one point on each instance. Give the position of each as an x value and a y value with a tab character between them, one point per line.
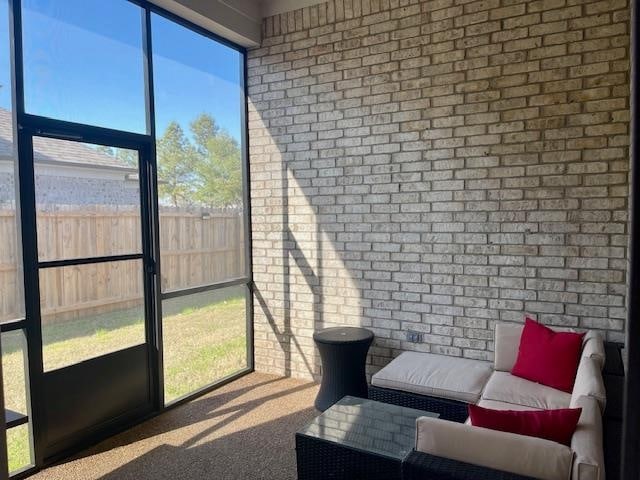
450	448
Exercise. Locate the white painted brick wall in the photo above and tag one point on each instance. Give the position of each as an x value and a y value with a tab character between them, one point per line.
440	166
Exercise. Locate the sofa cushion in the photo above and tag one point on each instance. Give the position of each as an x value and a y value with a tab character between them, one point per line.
435	375
496	405
589	382
555	425
509	452
507	341
587	442
504	387
593	347
548	357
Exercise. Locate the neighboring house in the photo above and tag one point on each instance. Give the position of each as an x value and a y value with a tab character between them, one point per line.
68	173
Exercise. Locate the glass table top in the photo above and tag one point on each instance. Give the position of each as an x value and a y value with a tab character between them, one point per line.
367	425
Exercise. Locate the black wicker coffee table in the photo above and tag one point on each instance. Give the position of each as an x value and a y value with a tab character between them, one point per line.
355	439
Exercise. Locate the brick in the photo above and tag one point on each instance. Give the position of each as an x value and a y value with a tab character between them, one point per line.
438	166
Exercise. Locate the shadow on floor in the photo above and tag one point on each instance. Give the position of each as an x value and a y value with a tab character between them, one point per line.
244	430
265	451
207	407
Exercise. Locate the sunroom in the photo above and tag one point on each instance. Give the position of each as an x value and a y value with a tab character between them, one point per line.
310	239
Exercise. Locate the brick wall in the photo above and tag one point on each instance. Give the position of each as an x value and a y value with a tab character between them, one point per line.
438	166
68	190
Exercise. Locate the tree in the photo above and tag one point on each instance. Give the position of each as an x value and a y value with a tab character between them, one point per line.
176	158
219	172
203	128
204	169
128	157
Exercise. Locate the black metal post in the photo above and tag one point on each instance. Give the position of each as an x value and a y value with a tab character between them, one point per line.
153	225
630	468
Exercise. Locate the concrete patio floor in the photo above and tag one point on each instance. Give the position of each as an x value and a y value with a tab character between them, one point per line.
244	430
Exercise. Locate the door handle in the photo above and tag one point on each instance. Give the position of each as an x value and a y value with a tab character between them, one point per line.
150	267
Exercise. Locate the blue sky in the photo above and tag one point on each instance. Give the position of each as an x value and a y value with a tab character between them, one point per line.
5	66
84	63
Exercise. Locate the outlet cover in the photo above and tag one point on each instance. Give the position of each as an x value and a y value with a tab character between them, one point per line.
414	337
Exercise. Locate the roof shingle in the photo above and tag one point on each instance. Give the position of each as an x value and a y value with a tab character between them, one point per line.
49	150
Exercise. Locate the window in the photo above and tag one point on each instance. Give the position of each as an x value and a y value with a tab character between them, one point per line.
90	310
205	339
14	376
84	62
99	303
11	282
198	98
198	109
12	311
87	200
5	63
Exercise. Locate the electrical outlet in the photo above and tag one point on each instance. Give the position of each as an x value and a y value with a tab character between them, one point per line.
414	337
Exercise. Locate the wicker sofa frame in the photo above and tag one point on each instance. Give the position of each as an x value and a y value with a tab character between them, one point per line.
321	460
419	465
350	464
451	410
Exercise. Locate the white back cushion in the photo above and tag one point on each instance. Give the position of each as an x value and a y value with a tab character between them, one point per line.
593	347
589	382
508	452
507	343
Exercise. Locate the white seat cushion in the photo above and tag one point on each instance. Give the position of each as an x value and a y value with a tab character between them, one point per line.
435	375
504	387
496	405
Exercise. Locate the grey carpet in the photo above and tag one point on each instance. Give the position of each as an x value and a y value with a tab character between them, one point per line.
244	430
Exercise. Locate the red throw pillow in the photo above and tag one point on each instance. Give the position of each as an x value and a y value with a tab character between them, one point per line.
548	357
555	425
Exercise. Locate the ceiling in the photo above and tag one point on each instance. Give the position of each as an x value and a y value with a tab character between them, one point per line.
237	20
273	7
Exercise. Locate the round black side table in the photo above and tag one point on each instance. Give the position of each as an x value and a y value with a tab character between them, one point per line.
343	352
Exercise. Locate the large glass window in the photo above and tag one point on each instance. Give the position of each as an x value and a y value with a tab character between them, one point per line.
198	106
88	206
89	238
14	376
87	200
90	310
13	343
11	283
5	67
84	62
205	339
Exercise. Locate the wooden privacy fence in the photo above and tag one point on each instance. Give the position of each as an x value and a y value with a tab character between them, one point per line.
198	247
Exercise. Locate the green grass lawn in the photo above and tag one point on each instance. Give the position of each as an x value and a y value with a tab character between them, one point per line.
204	340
